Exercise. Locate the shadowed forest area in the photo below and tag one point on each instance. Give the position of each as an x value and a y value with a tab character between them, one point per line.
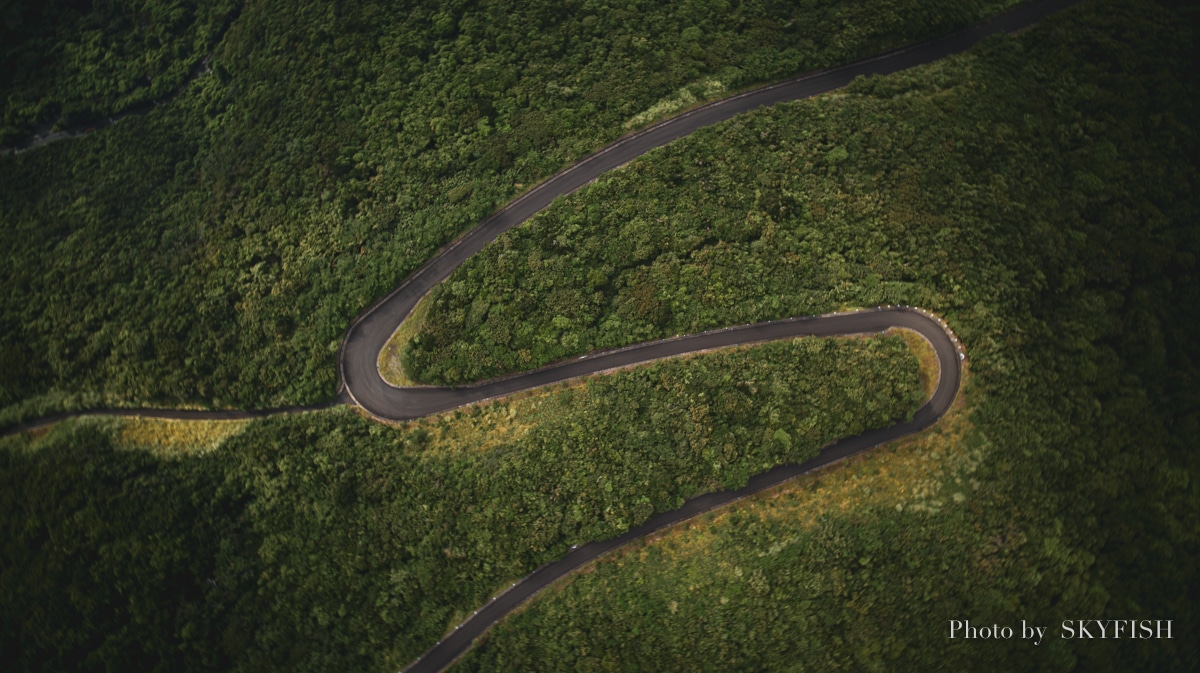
68	63
325	541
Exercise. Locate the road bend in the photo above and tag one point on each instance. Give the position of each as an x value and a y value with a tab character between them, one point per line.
371	331
363	385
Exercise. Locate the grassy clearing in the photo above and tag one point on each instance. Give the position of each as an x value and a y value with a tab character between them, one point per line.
391	358
926	356
176	439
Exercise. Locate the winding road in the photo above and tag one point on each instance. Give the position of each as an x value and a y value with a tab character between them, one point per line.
369	333
949	356
364	386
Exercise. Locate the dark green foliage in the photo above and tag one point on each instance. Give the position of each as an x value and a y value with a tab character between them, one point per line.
765	594
966	189
214	251
1040	192
67	63
325	541
92	537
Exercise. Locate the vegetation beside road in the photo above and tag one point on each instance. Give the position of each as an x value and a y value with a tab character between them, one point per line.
887	193
390	360
213	252
1040	192
325	541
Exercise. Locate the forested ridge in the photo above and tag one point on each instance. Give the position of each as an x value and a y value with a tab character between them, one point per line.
326	541
1038	191
899	199
213	251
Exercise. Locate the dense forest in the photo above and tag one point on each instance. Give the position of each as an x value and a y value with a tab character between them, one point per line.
213	251
64	63
899	199
326	542
1041	192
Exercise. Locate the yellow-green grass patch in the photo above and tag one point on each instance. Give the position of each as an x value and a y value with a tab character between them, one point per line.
926	357
167	438
391	367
